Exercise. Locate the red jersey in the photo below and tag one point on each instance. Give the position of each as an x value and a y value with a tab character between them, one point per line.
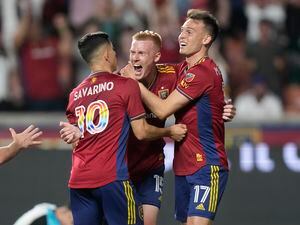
102	106
40	64
144	156
204	142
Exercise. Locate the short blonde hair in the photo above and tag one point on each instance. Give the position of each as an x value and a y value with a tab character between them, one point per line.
148	35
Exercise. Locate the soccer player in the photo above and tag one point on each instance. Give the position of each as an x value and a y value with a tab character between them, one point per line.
200	161
104	106
147	168
20	141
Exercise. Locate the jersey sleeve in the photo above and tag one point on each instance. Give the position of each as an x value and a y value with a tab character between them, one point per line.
133	100
195	83
70	113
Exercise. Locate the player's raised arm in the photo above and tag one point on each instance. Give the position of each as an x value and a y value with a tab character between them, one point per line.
20	141
144	131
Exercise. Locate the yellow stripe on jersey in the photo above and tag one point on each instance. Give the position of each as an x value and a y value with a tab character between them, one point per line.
130	203
165	68
214	188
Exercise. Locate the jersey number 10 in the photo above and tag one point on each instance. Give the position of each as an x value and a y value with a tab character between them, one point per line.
86	117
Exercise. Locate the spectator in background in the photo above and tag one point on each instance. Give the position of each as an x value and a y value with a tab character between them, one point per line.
239	66
267	56
108	17
4	71
256	10
20	141
258	103
45	61
169	48
125	42
165	21
292	90
132	16
89	26
292	100
10	91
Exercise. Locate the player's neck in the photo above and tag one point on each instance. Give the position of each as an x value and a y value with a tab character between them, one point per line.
101	68
148	81
194	59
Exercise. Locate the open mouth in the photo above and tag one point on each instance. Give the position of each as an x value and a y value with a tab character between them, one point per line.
182	44
138	68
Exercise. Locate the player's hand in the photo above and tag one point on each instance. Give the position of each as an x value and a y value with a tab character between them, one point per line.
229	111
178	132
27	138
128	71
69	133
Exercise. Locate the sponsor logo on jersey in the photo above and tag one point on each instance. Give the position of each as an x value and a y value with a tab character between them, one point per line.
184	84
199	157
160	198
200	207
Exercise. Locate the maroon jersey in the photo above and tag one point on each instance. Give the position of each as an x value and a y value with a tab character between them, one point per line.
144	156
40	64
102	106
203	145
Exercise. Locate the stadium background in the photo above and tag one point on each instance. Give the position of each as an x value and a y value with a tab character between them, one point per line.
262	188
263	150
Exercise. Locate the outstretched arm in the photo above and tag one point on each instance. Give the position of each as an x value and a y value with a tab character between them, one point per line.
144	131
163	108
20	141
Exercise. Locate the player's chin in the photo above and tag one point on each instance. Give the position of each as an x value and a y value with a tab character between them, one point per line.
182	51
138	76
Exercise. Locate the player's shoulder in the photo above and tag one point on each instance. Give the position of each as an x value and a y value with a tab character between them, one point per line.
204	66
166	68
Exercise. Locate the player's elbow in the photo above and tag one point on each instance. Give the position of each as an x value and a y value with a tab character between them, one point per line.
143	131
161	114
141	135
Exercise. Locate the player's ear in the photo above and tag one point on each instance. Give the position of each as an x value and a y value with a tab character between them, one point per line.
207	39
105	53
157	57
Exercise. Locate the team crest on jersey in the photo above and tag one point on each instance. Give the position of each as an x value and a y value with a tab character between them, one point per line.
163	94
189	77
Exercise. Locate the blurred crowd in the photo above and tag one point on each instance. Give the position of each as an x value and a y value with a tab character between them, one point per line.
258	50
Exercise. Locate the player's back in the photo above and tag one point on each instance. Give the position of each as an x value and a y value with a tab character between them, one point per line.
102	106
